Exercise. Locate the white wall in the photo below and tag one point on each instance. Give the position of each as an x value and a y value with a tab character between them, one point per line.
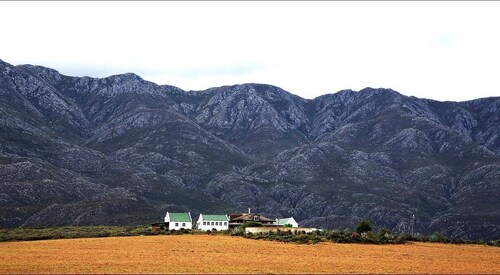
293	222
265	229
179	225
210	227
223	225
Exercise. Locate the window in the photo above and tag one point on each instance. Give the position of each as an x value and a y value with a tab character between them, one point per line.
217	223
183	224
212	223
176	224
225	223
204	223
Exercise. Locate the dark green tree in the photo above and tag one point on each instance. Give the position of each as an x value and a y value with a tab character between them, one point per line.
363	226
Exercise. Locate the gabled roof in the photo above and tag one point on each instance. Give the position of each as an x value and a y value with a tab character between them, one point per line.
180	217
249	217
214	217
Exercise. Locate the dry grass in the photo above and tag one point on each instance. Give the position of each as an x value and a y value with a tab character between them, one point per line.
224	254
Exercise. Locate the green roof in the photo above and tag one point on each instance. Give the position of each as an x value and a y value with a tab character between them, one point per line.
282	221
180	217
214	217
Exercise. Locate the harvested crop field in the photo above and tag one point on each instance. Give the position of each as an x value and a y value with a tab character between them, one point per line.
225	254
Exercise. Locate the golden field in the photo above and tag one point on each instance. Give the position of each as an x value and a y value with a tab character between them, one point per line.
225	254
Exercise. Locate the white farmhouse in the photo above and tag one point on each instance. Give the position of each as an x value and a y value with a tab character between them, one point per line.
283	222
210	222
177	221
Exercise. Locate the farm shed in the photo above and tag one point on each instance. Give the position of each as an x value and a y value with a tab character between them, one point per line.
283	222
177	221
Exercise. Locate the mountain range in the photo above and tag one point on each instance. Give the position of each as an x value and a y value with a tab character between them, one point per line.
122	150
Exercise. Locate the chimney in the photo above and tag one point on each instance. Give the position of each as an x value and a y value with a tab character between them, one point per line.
249	210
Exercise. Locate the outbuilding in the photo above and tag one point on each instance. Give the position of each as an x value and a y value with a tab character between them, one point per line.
177	221
286	222
239	219
211	222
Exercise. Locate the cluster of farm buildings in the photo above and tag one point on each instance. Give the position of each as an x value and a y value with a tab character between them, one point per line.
178	221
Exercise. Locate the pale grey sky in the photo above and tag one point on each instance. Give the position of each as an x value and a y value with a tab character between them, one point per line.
440	50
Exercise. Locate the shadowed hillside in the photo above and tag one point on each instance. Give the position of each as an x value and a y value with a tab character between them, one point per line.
122	150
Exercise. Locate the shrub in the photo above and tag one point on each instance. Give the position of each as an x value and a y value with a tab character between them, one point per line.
369	237
494	243
238	232
400	239
383	232
437	237
251	224
363	226
303	239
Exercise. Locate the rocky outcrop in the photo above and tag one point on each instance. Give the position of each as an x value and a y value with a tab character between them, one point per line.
122	150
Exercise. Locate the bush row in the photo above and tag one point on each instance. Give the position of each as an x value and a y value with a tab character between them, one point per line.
337	236
440	238
347	236
328	236
69	232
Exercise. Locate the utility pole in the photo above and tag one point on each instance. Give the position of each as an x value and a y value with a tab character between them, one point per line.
412	224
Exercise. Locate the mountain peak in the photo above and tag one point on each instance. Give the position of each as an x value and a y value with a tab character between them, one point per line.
126	77
244	87
4	64
39	70
378	91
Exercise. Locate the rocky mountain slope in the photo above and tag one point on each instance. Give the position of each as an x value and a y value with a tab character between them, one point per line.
122	150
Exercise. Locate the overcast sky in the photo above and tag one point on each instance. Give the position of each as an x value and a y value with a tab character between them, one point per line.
439	50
